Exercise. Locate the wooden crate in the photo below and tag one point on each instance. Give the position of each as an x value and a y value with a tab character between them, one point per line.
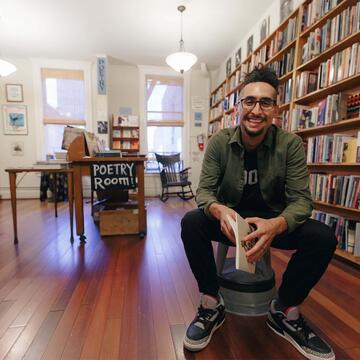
121	221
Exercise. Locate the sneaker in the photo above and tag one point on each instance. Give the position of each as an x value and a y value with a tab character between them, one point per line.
293	327
210	316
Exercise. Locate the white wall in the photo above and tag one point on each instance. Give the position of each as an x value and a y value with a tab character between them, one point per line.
30	184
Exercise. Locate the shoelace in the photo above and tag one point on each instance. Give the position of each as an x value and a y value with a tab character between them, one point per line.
301	326
205	314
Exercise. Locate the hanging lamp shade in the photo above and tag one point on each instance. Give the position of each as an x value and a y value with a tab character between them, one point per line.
181	61
6	68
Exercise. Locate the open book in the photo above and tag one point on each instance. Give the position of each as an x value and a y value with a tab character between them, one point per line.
241	228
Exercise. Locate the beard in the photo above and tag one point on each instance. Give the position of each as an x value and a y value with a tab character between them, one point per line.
254	133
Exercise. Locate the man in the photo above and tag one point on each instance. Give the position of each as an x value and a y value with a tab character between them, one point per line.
259	171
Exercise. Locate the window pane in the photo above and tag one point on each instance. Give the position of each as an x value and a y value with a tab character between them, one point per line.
63	99
53	137
164	96
162	139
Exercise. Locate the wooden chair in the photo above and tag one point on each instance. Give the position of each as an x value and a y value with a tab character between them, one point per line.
172	174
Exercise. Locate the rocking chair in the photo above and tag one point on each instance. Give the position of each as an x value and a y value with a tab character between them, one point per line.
172	174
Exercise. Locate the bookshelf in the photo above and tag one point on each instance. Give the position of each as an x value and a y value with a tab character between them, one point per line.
316	55
125	134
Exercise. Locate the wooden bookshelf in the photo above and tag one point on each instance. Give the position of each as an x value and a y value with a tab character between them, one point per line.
349	84
124	137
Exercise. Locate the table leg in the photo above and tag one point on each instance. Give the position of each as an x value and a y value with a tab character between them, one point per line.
71	205
141	199
12	179
79	207
55	193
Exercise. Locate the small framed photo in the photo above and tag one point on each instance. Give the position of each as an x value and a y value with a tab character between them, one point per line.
264	29
14	119
238	57
17	148
14	93
286	8
250	41
228	67
102	127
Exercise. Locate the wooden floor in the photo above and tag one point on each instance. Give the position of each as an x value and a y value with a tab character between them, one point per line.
125	298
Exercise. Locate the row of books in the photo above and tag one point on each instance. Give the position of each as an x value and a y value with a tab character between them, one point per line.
217	111
315	10
333	31
127	133
327	111
217	96
340	66
235	79
285	118
283	38
284	92
285	64
215	126
343	190
336	148
231	100
125	120
347	232
126	145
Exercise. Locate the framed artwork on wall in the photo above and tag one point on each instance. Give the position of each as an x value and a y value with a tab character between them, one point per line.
250	42
17	148
286	8
14	93
228	67
14	119
264	29
238	57
102	127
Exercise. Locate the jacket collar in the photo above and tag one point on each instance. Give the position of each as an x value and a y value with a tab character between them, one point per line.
268	141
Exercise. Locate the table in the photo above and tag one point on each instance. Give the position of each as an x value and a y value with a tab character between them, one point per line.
81	167
12	179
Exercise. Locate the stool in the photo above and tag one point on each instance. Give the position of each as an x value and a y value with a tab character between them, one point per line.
245	293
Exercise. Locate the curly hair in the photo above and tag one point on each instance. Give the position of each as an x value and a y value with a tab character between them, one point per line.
262	73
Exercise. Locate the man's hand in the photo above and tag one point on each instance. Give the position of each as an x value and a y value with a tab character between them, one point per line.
219	211
266	230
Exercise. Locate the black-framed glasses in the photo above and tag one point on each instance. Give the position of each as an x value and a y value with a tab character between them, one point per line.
266	104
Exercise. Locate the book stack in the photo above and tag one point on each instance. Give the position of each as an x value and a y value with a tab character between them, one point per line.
353	106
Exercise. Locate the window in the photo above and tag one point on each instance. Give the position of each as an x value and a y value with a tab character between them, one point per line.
63	95
164	115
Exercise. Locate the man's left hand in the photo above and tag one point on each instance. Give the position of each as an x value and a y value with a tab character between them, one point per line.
266	230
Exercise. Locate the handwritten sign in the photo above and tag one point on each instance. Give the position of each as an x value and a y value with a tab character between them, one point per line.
120	175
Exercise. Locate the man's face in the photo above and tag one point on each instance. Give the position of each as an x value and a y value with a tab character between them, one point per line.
257	117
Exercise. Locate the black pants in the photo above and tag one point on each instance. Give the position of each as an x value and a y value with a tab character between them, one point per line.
315	244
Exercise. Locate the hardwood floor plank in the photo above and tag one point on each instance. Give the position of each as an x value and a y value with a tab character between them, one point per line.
8	339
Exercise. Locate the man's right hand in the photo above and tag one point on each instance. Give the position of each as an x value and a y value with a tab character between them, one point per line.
220	212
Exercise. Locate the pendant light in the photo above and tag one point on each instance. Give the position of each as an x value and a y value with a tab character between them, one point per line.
6	68
181	61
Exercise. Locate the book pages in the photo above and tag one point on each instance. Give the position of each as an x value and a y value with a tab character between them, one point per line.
241	228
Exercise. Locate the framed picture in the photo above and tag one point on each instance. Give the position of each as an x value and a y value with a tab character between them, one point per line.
102	127
286	8
17	148
14	93
264	29
14	119
228	67
238	57
250	42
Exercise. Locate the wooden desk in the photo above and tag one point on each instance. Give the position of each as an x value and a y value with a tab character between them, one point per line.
81	167
12	179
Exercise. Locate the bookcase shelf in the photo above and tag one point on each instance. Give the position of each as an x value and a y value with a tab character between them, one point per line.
124	136
344	255
294	50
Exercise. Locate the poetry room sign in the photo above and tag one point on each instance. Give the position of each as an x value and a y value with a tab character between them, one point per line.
120	175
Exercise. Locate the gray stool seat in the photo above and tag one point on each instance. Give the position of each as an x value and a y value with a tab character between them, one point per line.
245	293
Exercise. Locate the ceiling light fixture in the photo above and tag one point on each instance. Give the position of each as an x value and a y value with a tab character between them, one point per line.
181	61
6	68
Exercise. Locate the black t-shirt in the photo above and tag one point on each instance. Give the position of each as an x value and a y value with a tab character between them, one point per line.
252	199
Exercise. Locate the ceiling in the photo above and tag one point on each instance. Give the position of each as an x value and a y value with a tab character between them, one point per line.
139	32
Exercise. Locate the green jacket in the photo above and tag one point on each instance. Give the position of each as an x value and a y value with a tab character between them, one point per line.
282	170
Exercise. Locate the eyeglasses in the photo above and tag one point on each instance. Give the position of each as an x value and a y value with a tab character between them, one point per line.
266	104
